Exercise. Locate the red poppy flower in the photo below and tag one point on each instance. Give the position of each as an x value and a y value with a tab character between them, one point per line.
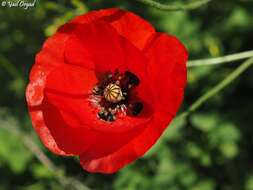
105	87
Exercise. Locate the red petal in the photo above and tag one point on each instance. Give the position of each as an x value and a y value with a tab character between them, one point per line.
136	62
72	140
47	59
51	55
131	26
71	80
97	41
130	151
137	30
167	69
76	54
43	132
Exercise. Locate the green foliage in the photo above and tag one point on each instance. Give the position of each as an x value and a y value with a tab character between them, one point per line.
211	149
12	151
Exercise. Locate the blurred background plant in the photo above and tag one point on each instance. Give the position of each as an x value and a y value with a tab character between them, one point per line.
208	149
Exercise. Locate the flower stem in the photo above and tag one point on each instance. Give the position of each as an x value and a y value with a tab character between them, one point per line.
220	60
176	6
220	86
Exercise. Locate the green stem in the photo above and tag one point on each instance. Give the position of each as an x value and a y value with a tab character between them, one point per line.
220	60
176	6
220	86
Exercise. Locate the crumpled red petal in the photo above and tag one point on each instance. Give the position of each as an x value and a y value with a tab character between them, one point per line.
88	43
50	56
130	151
72	81
167	67
132	27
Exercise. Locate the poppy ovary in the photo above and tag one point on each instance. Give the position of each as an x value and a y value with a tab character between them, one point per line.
113	93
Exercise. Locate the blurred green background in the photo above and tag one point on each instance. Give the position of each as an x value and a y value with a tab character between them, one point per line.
210	150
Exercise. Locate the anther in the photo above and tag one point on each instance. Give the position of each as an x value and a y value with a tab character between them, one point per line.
132	78
136	108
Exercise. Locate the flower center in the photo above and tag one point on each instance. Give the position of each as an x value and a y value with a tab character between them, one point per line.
114	96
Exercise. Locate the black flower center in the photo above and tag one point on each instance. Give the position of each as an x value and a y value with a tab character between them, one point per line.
114	96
